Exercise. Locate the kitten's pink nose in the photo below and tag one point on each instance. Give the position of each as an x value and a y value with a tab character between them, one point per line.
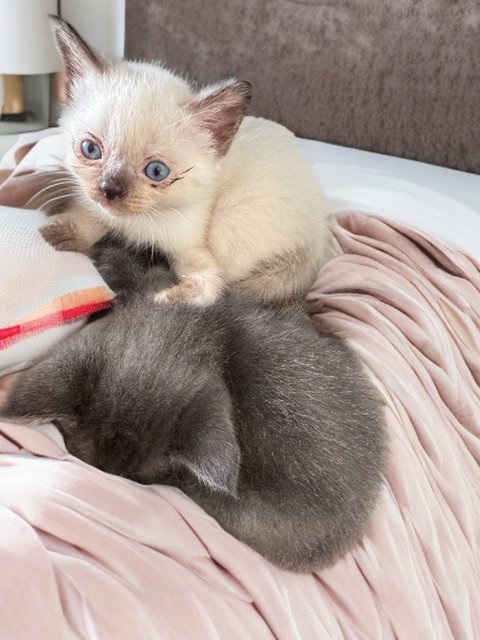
112	189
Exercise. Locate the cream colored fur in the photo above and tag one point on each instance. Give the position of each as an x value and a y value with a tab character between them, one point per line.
249	215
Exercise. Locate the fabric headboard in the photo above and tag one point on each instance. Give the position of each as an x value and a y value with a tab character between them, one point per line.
400	77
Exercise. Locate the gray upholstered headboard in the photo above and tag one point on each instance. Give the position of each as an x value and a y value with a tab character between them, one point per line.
400	77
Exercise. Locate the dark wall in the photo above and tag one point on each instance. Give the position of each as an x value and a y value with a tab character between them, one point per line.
400	77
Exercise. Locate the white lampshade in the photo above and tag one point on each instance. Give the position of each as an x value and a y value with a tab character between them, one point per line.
26	42
101	23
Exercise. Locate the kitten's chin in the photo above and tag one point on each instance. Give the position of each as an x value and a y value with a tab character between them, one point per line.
110	210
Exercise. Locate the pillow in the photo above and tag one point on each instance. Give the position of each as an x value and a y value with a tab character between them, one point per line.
42	291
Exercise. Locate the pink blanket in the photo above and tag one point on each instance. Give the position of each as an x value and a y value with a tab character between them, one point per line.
84	554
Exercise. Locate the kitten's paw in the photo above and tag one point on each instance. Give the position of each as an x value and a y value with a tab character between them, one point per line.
61	235
193	290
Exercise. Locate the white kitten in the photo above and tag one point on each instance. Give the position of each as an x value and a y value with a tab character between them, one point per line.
231	201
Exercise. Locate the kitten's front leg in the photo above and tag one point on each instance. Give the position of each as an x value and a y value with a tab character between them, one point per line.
77	230
200	279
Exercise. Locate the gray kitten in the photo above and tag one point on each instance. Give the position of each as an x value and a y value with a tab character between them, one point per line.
273	429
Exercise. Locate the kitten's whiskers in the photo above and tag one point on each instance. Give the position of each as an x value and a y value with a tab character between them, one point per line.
52	185
50	201
182	216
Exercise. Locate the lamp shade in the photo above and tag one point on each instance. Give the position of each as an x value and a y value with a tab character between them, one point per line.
26	40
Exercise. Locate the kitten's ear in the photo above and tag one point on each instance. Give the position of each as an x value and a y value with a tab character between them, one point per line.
41	394
207	445
221	109
77	56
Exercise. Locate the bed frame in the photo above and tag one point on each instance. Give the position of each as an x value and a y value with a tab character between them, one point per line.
400	77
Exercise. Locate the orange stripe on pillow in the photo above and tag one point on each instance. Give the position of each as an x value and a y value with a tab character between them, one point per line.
68	301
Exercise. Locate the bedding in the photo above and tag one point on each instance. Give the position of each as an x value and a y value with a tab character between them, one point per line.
442	202
89	555
84	554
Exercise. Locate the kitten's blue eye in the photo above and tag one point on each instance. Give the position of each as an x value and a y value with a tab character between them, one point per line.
90	150
156	170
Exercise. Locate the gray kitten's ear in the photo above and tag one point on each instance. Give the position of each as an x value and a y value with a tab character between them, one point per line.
40	394
220	110
77	56
207	445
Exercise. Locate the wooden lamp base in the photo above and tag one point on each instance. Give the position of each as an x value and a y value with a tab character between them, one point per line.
13	108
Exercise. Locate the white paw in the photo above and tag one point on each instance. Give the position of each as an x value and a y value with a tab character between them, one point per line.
161	296
195	289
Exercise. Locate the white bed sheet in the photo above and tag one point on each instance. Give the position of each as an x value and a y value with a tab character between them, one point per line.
440	201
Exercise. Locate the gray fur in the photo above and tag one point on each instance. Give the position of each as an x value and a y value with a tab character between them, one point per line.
273	429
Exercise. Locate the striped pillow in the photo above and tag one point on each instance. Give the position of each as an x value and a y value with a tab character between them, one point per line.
40	288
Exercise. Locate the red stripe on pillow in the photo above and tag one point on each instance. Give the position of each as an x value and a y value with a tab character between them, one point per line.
10	335
10	331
